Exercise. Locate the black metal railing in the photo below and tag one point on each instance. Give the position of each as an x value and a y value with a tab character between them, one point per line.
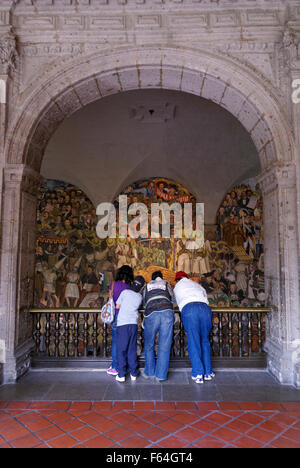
70	334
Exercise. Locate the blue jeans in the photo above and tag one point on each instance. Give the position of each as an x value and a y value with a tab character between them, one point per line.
113	328
197	321
161	323
127	350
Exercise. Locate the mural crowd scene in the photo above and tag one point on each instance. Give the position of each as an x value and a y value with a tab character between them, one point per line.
74	267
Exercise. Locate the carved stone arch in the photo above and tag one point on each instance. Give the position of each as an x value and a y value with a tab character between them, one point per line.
216	78
72	85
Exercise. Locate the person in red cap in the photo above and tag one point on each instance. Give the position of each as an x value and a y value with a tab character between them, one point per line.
196	316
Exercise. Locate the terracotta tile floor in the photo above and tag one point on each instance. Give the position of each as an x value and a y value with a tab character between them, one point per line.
139	424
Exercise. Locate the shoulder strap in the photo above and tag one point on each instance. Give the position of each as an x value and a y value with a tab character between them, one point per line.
112	290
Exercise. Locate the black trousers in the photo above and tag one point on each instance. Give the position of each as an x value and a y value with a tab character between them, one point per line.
127	350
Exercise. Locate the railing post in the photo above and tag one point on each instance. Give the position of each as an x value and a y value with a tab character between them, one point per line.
104	340
259	331
38	333
76	335
249	334
47	333
95	334
220	330
230	338
182	343
85	334
57	327
67	334
240	336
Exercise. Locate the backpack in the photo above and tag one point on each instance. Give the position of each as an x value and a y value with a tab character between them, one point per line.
108	310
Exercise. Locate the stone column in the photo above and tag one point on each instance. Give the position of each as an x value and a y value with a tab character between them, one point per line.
279	189
18	235
8	56
295	78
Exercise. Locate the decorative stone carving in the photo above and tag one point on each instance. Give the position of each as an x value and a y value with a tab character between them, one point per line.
51	49
8	53
278	175
21	176
206	3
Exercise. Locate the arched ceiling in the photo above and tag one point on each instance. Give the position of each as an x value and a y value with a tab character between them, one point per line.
138	134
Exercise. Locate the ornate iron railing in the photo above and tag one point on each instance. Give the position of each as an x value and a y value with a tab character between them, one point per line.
79	333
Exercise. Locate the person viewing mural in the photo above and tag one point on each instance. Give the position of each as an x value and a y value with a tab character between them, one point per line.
123	281
196	317
158	320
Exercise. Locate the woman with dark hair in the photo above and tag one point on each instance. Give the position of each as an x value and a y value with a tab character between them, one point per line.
125	274
124	279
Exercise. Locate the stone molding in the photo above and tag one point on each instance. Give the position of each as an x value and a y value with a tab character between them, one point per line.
71	85
23	177
145	22
278	175
136	3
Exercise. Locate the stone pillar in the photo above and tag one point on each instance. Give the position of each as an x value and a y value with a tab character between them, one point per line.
8	56
8	59
18	235
279	189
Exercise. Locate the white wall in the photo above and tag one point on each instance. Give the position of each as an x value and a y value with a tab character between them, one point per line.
106	146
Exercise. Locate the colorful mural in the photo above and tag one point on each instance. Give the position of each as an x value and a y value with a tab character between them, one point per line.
74	268
238	254
68	251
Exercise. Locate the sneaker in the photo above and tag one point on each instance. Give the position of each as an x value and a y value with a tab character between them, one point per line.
199	379
160	380
120	379
112	371
209	376
145	375
133	377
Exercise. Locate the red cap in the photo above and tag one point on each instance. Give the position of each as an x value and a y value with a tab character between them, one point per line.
180	275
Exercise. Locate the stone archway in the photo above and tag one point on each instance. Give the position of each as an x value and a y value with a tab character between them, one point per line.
71	85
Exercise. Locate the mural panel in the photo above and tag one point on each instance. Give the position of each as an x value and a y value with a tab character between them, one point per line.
238	253
74	268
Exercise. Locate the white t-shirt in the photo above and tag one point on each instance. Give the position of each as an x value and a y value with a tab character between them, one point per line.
129	302
187	291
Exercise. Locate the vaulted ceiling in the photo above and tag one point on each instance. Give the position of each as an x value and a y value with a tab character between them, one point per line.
147	133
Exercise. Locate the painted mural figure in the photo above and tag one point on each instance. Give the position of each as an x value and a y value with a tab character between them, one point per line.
122	254
72	288
184	263
49	291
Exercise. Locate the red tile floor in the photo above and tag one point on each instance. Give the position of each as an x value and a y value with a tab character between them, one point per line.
127	424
